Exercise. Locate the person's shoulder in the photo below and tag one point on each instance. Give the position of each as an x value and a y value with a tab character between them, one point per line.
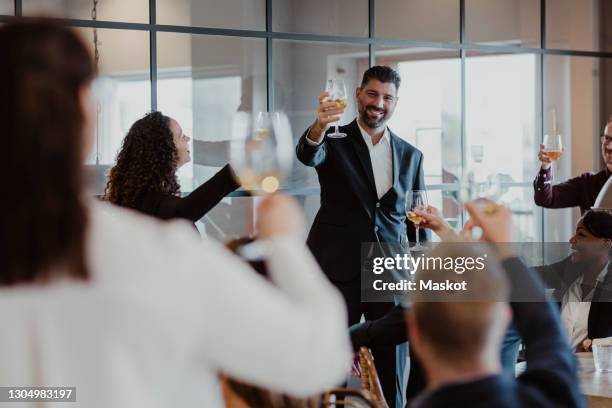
589	175
130	237
407	146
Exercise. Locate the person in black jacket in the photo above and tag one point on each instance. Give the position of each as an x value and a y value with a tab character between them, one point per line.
144	177
582	282
458	343
364	179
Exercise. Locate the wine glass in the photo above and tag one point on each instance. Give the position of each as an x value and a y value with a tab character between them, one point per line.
337	93
553	148
261	155
416	200
261	150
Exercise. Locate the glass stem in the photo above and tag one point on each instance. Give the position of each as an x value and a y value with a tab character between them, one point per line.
552	172
418	239
337	128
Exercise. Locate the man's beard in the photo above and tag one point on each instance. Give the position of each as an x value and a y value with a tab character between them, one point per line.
376	122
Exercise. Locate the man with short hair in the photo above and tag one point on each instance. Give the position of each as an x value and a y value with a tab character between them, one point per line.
458	343
364	178
579	191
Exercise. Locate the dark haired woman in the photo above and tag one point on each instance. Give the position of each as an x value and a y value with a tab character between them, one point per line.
144	177
130	311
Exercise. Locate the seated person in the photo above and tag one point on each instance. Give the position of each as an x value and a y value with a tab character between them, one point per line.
579	191
458	343
582	282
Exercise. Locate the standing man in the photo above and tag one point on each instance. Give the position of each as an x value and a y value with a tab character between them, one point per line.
364	179
579	191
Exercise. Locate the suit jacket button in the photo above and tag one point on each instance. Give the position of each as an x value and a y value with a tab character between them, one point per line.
377	205
376	228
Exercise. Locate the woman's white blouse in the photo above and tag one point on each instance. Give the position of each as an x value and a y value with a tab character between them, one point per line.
165	312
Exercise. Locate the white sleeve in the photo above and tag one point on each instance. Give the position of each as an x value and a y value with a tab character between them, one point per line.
312	142
291	337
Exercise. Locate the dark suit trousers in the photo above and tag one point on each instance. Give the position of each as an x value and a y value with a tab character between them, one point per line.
384	357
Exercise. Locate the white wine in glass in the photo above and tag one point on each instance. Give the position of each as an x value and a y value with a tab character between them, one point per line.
261	155
416	200
337	93
261	150
553	148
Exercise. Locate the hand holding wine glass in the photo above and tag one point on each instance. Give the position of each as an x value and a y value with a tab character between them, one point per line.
550	150
337	97
433	220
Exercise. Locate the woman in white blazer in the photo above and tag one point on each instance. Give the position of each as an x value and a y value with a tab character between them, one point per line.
130	311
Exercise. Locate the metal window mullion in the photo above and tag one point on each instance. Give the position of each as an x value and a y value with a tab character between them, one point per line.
269	60
153	52
371	32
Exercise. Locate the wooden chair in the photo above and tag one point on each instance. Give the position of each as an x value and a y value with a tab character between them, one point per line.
370	395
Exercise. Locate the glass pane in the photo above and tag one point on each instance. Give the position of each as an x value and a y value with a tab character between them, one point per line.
526	216
578	25
236	14
329	17
502	114
7	7
428	112
122	90
503	120
503	22
300	70
136	11
573	90
202	82
422	20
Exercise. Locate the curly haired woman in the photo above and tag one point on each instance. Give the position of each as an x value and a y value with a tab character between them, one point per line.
144	177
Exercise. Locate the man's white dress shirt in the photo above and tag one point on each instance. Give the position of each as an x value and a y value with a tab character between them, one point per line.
380	156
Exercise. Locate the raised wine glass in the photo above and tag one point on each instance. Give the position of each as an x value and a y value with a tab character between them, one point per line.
261	155
261	150
553	148
416	200
337	93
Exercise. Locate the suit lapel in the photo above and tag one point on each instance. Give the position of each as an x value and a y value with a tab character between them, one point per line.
396	156
362	152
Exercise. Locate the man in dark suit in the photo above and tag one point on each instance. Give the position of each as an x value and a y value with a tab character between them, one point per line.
458	342
364	179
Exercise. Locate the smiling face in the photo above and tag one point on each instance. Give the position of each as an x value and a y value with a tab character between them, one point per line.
606	146
181	142
376	102
586	246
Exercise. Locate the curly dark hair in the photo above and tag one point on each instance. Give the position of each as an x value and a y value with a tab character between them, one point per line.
146	163
43	218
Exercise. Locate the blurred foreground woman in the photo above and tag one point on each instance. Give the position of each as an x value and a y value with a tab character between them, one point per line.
130	311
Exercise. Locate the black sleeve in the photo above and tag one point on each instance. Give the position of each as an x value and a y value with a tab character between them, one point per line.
550	376
311	156
195	205
389	330
562	195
